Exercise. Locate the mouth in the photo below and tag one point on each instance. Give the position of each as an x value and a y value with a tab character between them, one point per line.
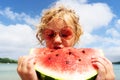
57	47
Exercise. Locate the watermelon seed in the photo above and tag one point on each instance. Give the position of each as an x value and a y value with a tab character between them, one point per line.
67	62
83	51
49	58
79	59
57	54
70	53
52	51
44	53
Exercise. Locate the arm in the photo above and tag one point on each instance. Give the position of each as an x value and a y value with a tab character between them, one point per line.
105	68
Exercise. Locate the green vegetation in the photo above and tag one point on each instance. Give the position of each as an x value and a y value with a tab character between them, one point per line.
116	62
7	60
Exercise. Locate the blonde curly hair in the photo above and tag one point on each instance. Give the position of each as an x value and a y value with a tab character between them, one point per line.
59	12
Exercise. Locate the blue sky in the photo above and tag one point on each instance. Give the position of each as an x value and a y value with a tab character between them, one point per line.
100	20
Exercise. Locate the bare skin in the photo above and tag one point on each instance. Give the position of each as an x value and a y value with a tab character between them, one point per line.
55	38
105	68
26	68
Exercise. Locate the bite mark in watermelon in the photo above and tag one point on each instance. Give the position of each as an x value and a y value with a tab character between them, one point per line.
67	63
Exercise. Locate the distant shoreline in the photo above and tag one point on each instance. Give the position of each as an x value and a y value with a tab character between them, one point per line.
115	62
7	60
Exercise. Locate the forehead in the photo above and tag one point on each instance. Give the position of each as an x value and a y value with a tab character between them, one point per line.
59	23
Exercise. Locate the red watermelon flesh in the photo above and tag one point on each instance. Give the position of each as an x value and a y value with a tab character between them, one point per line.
67	63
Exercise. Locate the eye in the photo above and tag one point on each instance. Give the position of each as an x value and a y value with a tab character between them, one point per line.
66	33
48	34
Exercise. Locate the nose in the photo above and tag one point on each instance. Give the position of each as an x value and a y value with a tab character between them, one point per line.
57	39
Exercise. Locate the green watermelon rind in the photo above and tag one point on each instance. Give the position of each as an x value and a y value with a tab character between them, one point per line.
45	77
52	74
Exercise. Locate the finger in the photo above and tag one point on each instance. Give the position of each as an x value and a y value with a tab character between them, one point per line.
106	63
30	63
20	62
110	72
101	71
29	68
19	68
99	60
25	63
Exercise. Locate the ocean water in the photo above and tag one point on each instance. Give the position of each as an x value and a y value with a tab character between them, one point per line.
8	72
117	71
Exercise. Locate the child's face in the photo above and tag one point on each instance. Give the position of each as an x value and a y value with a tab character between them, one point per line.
59	35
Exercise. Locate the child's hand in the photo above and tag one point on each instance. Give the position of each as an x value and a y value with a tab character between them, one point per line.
105	68
26	68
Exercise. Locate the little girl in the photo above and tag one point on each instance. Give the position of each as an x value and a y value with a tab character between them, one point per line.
59	28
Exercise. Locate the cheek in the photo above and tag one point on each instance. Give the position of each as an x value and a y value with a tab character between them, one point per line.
49	43
68	43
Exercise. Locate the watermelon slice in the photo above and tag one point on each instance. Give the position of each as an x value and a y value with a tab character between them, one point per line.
67	63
